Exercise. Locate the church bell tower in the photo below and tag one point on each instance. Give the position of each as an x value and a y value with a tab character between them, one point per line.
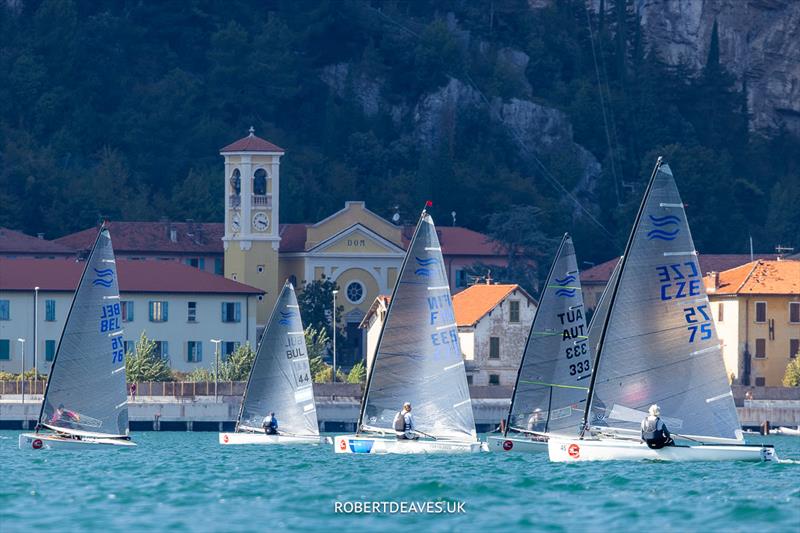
252	236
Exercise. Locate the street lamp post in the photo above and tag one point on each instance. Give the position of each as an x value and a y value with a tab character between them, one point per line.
22	374
216	366
35	338
333	378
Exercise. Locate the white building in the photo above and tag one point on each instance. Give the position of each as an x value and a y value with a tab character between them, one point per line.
180	307
493	325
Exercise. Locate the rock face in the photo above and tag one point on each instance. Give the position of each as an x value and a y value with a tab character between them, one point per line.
759	42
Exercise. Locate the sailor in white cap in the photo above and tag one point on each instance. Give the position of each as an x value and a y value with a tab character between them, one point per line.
654	432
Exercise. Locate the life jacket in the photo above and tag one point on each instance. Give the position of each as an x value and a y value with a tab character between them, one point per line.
399	422
653	430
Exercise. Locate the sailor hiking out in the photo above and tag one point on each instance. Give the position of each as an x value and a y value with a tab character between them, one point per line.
654	432
270	424
404	424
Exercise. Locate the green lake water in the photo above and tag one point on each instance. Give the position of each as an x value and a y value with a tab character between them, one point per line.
188	482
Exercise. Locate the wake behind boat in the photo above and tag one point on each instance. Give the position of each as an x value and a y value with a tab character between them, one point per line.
658	346
85	402
418	360
280	382
553	378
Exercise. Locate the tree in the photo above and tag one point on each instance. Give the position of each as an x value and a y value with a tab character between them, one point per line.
316	302
237	365
792	376
143	364
357	374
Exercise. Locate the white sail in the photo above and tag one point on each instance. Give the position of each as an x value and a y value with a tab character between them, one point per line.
418	358
658	343
86	391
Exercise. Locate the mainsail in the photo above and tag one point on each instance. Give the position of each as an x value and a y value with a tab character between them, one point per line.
86	393
418	358
280	380
553	379
658	343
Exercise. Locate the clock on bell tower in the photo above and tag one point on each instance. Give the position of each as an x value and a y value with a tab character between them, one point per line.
252	240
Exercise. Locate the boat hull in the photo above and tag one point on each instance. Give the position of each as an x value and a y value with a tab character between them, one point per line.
516	444
792	432
261	438
576	450
384	445
41	441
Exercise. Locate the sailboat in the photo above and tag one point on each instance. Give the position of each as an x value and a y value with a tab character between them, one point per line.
418	360
553	378
280	381
85	402
658	345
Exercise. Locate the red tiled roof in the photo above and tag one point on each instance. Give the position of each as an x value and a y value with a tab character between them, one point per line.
154	237
471	304
17	242
252	143
708	263
380	300
758	277
456	240
134	276
293	237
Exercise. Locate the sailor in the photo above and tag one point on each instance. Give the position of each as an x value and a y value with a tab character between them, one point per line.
536	421
270	424
654	432
404	424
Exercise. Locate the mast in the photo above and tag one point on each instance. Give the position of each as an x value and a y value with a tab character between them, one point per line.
365	396
615	289
528	341
53	365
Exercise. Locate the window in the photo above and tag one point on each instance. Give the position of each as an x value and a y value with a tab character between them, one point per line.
461	278
158	311
130	347
127	311
231	312
197	262
194	351
50	310
191	312
794	348
228	348
219	266
494	379
794	312
260	182
161	349
720	312
293	280
761	311
355	292
761	348
236	182
5	310
494	347
760	382
49	350
5	349
513	311
469	379
260	269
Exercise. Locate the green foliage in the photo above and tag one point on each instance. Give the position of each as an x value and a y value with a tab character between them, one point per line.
792	376
316	306
236	367
144	365
133	130
357	374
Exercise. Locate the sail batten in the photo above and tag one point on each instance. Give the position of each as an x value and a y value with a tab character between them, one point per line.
548	395
418	358
658	343
280	380
86	392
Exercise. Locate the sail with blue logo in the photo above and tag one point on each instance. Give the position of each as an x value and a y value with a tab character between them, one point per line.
658	343
418	358
551	390
86	392
280	380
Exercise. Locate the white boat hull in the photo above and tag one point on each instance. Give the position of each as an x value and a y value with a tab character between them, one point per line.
47	441
383	445
783	430
261	438
516	444
577	450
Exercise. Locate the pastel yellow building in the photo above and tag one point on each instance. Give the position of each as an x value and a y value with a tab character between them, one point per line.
756	310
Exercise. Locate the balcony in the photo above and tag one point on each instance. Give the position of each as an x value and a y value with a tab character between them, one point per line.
263	201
